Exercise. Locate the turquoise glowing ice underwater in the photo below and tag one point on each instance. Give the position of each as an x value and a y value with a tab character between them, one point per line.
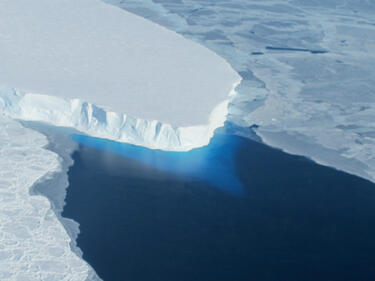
214	163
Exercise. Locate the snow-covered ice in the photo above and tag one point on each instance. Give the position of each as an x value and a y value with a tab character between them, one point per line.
143	79
33	243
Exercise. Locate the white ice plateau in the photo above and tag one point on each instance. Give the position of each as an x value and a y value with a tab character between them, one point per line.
92	66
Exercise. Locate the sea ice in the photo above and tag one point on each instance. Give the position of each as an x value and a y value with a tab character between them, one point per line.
34	244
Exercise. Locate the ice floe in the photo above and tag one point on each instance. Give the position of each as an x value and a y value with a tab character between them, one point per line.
34	244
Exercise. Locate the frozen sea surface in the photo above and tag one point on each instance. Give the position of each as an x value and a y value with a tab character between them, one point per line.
34	245
307	67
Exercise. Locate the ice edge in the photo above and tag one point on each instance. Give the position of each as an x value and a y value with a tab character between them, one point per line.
98	122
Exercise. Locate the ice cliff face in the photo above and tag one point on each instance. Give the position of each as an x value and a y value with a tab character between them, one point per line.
95	121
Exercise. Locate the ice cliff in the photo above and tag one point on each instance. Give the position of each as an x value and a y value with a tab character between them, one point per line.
96	121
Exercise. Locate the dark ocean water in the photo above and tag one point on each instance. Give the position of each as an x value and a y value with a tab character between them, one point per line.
235	210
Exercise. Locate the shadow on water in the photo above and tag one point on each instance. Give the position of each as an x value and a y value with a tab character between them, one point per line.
214	164
142	218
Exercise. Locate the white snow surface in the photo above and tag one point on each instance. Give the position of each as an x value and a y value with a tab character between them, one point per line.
109	73
34	244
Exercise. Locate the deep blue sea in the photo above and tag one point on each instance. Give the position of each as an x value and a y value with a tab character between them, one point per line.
235	210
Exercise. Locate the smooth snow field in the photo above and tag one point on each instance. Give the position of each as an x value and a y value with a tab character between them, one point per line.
129	69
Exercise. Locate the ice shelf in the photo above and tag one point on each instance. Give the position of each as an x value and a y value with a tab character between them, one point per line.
121	76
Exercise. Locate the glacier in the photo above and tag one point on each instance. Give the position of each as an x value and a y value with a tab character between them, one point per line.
109	73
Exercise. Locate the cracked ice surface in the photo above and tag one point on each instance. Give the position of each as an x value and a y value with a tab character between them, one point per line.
34	245
307	67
